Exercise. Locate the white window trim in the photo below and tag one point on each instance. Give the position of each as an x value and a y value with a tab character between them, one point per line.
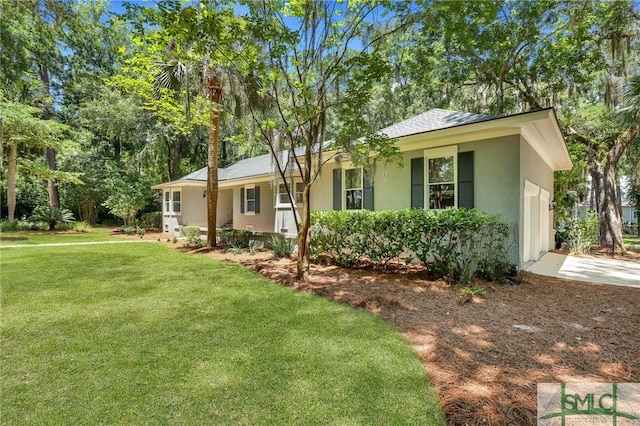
448	151
344	188
167	205
246	200
292	186
166	201
173	212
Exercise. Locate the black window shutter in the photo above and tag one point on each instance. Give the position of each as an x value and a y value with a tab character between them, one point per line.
337	189
241	200
257	195
367	192
465	180
417	182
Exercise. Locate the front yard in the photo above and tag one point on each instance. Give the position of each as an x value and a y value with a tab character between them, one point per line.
486	354
140	334
133	333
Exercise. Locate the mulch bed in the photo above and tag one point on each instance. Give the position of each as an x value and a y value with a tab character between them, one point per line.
486	354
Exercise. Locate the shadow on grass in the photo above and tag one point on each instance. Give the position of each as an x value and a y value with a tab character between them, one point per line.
484	367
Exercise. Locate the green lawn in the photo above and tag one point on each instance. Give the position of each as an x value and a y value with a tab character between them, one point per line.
141	334
631	242
631	239
46	237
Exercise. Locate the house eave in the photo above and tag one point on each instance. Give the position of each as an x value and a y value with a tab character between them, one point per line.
540	128
229	183
180	183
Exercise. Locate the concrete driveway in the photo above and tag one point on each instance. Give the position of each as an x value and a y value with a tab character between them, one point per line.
590	269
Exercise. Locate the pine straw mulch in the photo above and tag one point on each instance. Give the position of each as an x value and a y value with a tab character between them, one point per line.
485	355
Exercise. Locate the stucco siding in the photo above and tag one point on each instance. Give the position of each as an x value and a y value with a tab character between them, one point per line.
225	207
496	171
194	207
392	183
322	189
263	221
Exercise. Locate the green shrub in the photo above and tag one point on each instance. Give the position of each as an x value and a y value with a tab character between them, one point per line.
582	234
454	244
234	237
82	226
52	216
9	225
129	230
253	248
282	246
140	232
237	250
152	220
473	290
192	236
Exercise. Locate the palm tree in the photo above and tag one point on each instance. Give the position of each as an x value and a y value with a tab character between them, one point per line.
191	78
630	115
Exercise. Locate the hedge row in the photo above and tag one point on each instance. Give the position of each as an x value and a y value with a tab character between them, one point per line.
455	244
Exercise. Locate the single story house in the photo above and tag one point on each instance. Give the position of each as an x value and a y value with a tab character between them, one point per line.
501	165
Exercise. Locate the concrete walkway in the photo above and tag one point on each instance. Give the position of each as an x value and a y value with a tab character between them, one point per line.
91	243
590	269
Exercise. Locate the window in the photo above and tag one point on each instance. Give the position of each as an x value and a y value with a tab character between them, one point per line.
176	202
172	203
441	178
250	199
353	188
299	191
283	197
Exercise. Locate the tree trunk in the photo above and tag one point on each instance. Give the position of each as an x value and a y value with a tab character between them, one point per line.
603	179
175	155
54	195
215	97
11	180
304	238
304	231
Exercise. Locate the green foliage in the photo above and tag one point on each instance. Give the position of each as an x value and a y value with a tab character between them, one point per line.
52	216
455	244
582	234
192	236
237	250
129	230
253	248
151	220
281	245
234	237
82	226
473	290
127	197
9	225
22	225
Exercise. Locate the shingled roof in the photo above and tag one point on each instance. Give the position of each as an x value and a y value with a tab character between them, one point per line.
435	119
